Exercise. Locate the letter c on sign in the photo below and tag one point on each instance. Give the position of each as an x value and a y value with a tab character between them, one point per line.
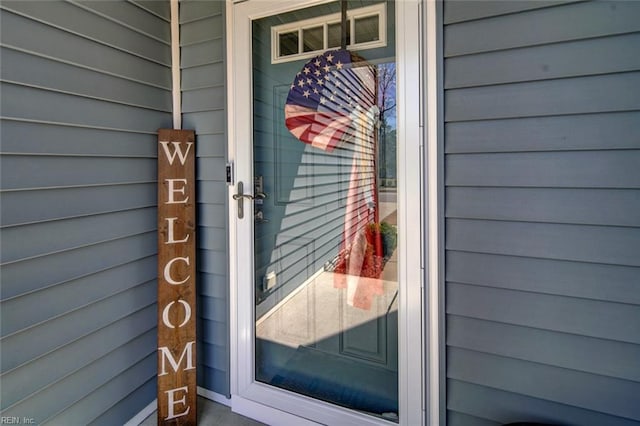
167	271
165	314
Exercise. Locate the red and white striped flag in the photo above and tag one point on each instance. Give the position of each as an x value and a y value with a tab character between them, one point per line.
324	96
332	101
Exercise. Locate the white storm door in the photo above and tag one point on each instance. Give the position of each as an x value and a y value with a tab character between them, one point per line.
313	336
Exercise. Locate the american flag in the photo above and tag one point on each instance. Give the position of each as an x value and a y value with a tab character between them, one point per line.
325	96
332	100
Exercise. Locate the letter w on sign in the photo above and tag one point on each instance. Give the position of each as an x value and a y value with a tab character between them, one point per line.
176	278
177	150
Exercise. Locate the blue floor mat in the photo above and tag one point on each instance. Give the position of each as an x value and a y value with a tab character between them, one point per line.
339	380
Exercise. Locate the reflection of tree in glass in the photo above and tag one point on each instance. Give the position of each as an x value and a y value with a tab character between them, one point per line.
387	132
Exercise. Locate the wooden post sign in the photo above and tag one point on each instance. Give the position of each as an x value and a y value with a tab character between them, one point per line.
176	278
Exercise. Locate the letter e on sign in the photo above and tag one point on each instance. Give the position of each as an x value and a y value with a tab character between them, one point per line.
176	278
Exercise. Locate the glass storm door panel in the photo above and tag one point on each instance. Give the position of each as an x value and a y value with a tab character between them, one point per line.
324	211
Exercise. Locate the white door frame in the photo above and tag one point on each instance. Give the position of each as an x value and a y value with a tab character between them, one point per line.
269	404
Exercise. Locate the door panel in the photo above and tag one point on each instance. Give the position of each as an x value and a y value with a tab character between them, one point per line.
324	327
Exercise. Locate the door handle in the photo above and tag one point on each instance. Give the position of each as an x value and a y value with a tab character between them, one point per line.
240	196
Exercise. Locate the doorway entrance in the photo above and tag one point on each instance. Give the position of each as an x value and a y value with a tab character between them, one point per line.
323	255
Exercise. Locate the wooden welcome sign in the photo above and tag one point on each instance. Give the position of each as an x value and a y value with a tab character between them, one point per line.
176	278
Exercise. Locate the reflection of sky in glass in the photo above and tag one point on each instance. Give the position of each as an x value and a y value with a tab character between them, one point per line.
387	93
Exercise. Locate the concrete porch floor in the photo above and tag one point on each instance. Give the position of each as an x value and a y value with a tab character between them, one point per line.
211	413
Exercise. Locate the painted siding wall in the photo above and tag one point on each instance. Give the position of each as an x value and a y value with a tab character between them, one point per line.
542	175
85	86
202	40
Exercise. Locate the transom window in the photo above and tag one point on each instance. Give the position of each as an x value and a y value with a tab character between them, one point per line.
366	29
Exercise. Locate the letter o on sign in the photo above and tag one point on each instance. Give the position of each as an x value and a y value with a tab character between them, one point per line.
165	314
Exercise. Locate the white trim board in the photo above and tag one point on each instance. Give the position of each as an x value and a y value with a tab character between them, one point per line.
176	88
433	131
214	396
151	408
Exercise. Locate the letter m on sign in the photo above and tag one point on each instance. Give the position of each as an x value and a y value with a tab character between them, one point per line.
186	358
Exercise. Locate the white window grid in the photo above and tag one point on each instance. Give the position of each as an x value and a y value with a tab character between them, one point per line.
378	10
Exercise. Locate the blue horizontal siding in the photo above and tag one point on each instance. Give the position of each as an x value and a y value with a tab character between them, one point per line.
542	229
202	41
88	24
85	86
547	25
57	42
498	407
